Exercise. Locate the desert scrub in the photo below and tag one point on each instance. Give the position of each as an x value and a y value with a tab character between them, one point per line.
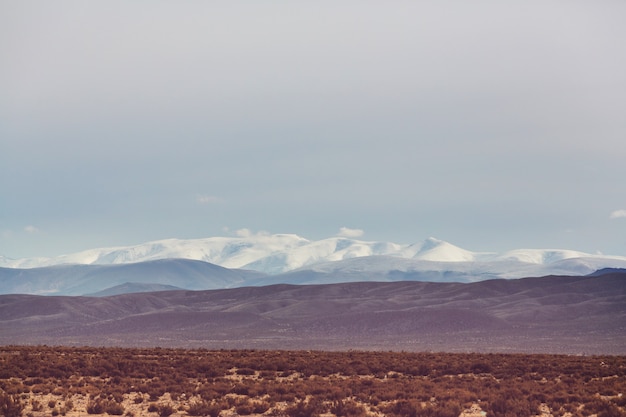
105	405
165	410
10	406
205	382
204	408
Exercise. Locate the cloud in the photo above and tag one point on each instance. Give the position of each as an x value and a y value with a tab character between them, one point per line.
347	232
208	199
31	229
243	232
618	214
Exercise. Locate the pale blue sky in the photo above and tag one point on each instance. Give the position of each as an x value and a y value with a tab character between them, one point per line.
492	125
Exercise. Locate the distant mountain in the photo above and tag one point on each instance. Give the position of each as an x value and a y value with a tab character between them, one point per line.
213	263
391	268
604	271
555	314
133	287
170	274
88	279
280	253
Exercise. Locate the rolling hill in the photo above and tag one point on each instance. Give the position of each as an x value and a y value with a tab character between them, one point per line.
556	314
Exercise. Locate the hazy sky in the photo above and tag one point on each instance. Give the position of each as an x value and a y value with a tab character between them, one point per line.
492	125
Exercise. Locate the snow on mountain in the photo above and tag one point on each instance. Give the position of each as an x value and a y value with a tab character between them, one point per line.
280	253
540	257
326	250
392	268
262	252
437	250
228	252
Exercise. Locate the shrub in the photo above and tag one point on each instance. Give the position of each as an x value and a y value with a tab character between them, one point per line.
10	406
36	405
245	371
101	406
260	407
402	408
204	408
115	409
244	409
165	410
481	368
304	409
95	406
347	408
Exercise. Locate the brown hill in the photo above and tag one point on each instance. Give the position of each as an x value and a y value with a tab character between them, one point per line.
549	314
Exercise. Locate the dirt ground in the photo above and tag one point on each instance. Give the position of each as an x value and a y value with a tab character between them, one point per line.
136	404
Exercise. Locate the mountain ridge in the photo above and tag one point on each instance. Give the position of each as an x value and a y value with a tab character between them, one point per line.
280	253
274	259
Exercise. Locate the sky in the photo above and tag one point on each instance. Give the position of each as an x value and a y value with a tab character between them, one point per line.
491	125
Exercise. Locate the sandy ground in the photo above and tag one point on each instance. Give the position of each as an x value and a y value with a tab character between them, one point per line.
132	408
76	406
473	411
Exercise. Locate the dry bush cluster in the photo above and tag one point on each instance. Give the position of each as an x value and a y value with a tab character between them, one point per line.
302	384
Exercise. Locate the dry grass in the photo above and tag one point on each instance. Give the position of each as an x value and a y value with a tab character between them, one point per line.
45	381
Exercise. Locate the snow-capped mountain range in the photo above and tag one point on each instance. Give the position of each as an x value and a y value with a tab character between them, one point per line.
281	253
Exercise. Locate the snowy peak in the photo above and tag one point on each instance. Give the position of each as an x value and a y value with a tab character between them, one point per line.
279	253
437	250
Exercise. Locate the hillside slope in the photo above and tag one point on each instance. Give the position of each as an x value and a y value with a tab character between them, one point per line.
555	314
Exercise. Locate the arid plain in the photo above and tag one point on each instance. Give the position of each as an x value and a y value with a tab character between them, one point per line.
44	381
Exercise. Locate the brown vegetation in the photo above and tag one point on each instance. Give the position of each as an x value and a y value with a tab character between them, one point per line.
38	381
